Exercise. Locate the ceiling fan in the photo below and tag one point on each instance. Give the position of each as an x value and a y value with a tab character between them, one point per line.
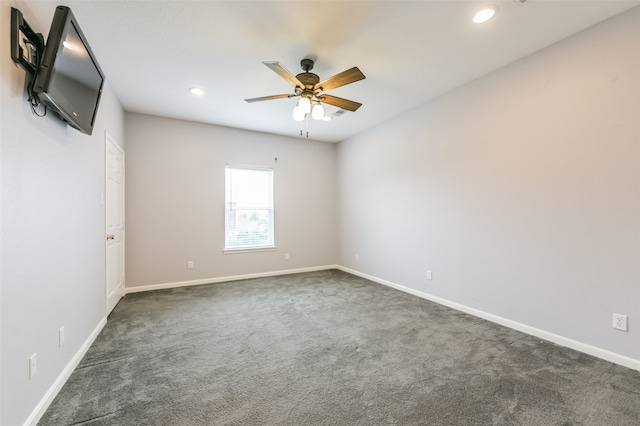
311	90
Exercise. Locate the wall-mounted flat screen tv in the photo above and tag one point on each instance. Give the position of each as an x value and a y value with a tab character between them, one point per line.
69	79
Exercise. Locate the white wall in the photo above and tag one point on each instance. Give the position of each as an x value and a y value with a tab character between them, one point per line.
520	191
175	200
52	229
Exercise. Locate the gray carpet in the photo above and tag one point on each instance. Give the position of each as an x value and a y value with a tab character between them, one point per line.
329	348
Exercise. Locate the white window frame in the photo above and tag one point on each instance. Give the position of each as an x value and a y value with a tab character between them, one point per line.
270	245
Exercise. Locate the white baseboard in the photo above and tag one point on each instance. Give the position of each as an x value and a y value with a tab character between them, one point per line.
555	338
48	397
151	287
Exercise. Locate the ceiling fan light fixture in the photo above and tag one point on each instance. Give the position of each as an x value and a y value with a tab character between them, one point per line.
298	115
318	112
484	14
304	104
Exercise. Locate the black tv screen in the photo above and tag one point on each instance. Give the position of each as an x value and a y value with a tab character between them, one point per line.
69	79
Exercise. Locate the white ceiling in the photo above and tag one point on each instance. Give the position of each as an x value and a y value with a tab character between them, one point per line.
410	51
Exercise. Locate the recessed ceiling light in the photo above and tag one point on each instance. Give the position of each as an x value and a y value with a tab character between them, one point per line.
196	91
484	14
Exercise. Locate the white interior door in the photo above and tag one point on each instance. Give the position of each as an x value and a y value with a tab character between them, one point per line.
114	218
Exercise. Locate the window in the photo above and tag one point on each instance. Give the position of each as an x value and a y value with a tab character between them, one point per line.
248	207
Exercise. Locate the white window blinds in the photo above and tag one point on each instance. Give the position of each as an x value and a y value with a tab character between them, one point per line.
248	207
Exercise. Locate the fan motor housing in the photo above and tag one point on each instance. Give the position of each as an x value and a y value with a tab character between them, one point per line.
309	79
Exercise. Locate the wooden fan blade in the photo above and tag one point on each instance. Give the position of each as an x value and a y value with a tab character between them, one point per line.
282	72
340	103
268	98
345	77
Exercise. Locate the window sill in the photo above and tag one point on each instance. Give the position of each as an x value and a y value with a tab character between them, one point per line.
248	249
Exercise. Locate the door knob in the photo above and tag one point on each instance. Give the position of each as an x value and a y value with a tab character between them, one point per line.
110	237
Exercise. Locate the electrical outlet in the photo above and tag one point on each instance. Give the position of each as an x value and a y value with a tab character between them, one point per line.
620	322
357	257
429	276
286	256
190	264
33	365
61	336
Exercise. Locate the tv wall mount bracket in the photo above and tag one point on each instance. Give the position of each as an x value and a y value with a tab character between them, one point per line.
27	46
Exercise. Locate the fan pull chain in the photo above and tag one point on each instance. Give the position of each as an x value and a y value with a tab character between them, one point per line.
301	124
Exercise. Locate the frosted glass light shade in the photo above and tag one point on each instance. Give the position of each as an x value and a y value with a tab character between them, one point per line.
305	105
318	112
298	115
